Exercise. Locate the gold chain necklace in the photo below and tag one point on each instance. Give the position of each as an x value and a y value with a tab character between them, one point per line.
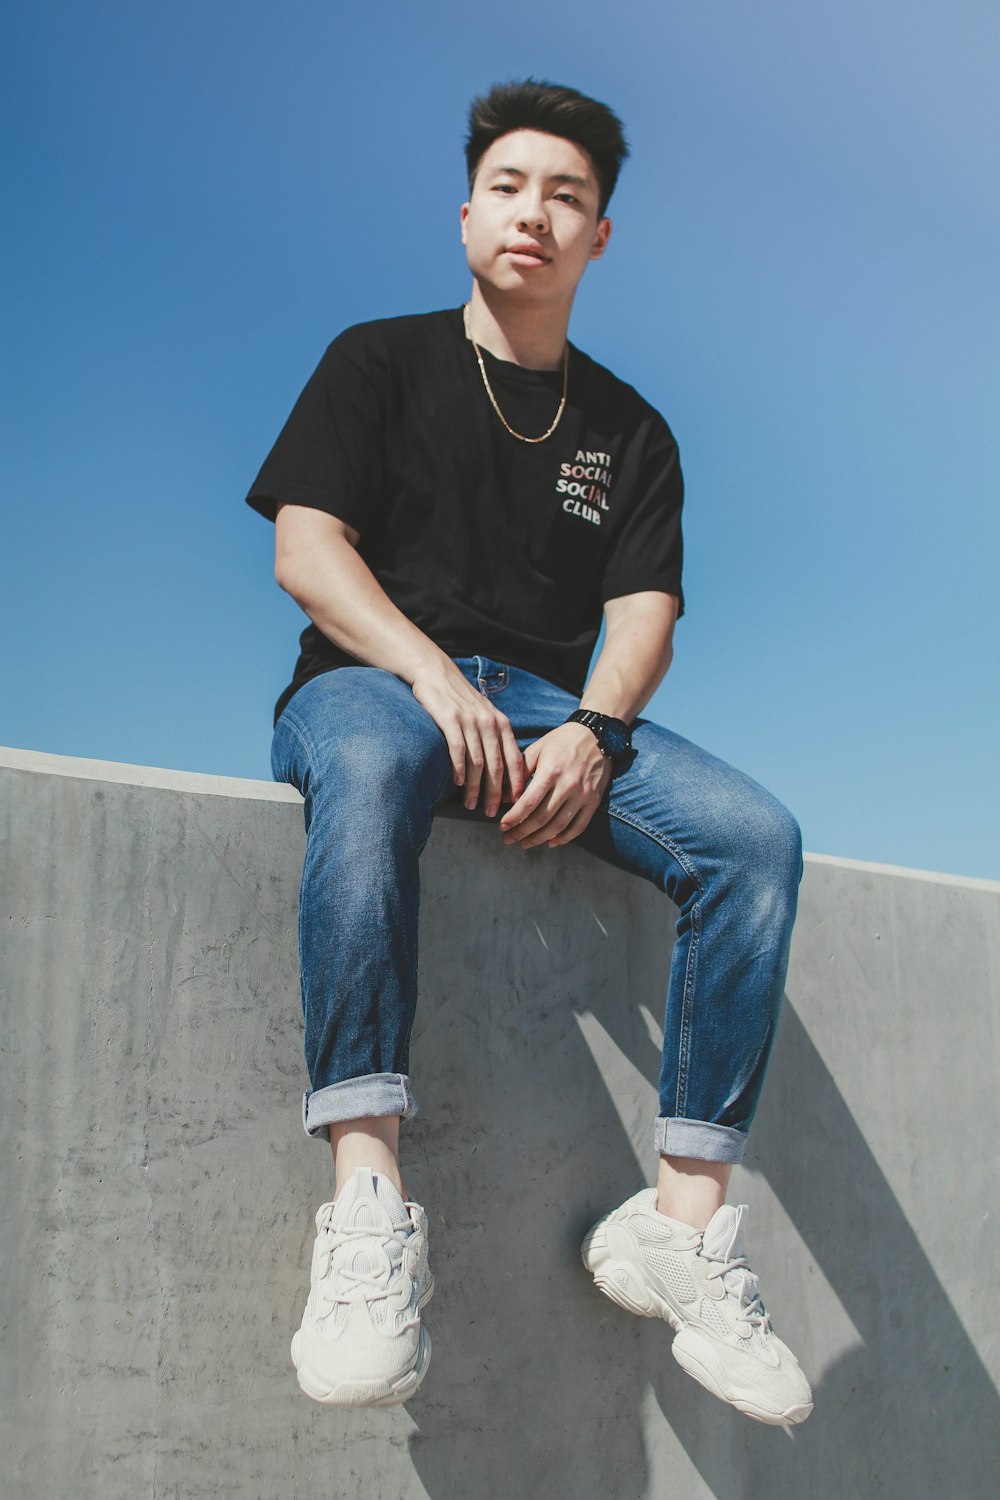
493	400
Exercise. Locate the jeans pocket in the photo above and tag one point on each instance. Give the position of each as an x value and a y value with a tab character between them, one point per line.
492	676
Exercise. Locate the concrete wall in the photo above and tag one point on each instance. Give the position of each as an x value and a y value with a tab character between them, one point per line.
157	1191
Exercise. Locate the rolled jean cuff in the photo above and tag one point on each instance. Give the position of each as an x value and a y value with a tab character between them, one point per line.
375	1095
698	1139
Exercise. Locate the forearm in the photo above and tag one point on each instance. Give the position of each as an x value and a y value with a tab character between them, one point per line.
316	562
342	597
635	657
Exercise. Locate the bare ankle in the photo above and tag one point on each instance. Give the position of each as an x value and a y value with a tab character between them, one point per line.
372	1143
690	1190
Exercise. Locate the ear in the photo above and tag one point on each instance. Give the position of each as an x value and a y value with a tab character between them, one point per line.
601	236
464	213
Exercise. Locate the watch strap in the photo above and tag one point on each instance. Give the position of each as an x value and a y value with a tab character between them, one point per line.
613	735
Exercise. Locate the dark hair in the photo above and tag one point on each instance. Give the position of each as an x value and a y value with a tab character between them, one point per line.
549	107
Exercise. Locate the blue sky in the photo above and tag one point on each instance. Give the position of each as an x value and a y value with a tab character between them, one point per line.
803	278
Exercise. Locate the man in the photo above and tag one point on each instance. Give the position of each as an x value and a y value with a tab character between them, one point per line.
457	495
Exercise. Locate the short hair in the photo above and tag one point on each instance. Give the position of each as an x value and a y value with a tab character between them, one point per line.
534	104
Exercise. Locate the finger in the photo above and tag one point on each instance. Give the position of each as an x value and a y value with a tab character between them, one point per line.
535	820
475	761
540	830
573	828
514	762
456	752
525	804
492	771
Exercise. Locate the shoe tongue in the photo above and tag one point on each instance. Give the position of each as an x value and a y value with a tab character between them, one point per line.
370	1201
723	1238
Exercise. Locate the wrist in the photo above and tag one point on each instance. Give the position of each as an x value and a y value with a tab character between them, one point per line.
428	661
613	736
614	703
585	737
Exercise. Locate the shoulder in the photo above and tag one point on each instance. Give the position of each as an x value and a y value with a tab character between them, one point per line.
394	340
621	401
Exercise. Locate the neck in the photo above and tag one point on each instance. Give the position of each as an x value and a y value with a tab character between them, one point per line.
526	334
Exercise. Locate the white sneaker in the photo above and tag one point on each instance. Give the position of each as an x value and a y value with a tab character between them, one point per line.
704	1288
361	1342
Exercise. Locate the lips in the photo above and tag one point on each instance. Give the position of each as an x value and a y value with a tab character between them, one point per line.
528	251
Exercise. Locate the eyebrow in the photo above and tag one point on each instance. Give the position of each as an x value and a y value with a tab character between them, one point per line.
570	177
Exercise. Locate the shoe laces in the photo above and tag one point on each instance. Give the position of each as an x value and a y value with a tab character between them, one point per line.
739	1281
371	1280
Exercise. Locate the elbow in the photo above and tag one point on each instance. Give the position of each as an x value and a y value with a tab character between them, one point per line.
668	656
287	576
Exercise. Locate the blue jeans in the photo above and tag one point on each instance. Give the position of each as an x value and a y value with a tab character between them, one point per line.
372	765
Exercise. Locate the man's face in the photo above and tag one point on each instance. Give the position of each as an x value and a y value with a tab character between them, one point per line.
531	224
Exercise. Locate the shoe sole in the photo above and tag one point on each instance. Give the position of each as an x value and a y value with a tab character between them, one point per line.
625	1284
368	1392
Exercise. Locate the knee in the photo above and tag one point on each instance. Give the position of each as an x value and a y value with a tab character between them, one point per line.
784	840
385	769
775	857
356	726
764	845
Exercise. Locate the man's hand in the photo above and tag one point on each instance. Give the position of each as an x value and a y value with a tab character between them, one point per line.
569	775
484	751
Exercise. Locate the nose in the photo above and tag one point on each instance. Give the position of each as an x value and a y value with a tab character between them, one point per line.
532	215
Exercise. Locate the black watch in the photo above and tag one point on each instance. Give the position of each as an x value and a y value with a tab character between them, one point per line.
613	735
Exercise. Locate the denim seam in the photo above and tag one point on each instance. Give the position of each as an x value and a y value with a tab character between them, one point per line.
687	1014
297	730
301	734
305	743
659	838
691	968
420	850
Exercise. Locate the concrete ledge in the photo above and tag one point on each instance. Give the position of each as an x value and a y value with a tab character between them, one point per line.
158	1190
122	774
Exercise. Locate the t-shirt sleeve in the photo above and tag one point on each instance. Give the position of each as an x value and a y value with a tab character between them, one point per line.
648	551
329	453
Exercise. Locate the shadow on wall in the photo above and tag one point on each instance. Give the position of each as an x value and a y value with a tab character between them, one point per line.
913	1411
539	1387
158	1189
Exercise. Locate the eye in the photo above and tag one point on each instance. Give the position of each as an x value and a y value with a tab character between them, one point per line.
566	198
504	187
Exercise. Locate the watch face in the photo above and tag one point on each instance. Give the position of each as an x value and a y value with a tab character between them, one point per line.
615	739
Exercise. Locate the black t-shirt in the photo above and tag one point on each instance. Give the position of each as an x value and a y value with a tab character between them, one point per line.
487	544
